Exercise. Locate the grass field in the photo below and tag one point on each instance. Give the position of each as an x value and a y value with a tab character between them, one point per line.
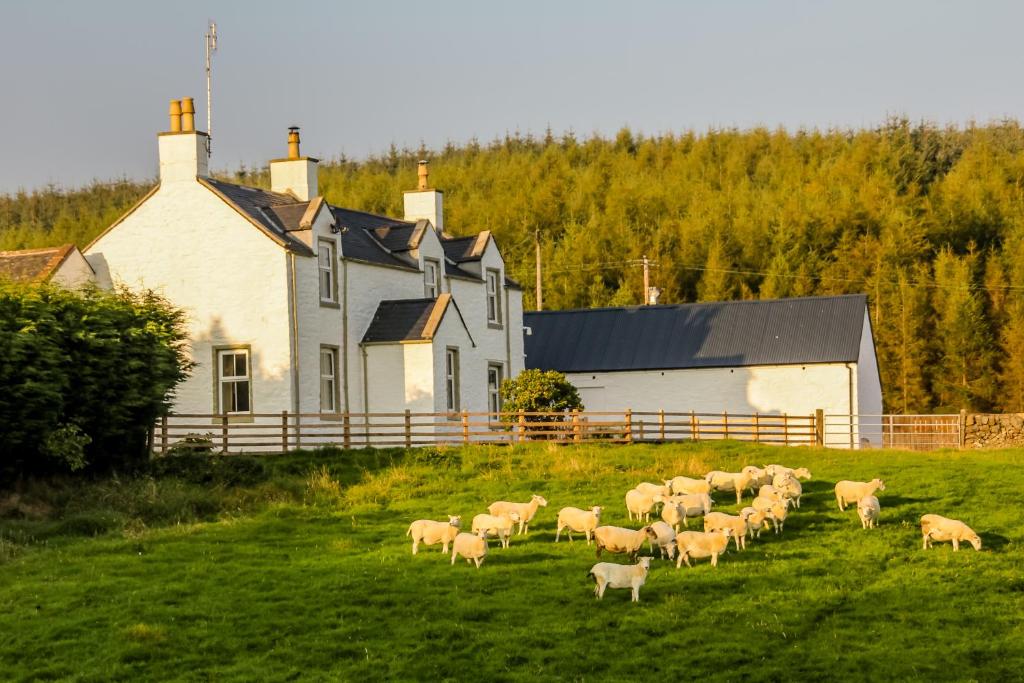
291	582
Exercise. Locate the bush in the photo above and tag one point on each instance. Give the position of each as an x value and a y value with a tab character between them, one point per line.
211	470
540	392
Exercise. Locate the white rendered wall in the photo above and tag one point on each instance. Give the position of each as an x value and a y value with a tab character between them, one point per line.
869	387
297	176
427	204
189	245
74	272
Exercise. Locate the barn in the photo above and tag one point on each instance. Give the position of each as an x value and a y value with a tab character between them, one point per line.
781	356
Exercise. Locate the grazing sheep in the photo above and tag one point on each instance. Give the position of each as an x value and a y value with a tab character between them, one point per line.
737	525
799	472
665	538
429	532
868	509
728	481
774	510
680	485
652	489
499	526
640	504
938	528
692	505
470	546
673	514
608	575
616	539
853	491
526	511
756	477
698	544
789	486
757	521
575	519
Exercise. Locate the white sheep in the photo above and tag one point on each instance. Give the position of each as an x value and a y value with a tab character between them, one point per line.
640	504
652	489
429	532
698	544
774	510
608	575
616	539
799	472
757	521
499	526
728	481
769	491
737	525
574	519
526	511
691	505
664	537
680	485
789	486
673	513
853	491
868	509
756	477
938	528
470	546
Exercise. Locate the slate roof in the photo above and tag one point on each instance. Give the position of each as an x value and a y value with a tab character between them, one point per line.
823	329
460	249
359	241
33	265
260	207
399	320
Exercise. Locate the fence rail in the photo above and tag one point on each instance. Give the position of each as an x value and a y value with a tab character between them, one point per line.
912	432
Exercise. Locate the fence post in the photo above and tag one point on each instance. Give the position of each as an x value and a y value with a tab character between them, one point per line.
224	433
629	425
522	426
346	430
576	432
465	426
725	424
694	427
757	428
962	427
661	423
163	435
298	431
408	429
819	427
284	432
641	424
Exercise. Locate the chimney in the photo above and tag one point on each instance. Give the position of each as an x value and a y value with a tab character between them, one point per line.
423	202
295	174
183	154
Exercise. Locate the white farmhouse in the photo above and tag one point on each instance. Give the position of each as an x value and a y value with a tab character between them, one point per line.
772	357
296	305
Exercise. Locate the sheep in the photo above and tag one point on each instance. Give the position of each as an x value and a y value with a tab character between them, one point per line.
853	491
757	520
653	489
673	513
756	477
799	472
473	547
526	511
691	505
688	485
616	539
774	510
938	528
575	519
499	526
737	525
868	509
640	504
632	576
728	481
429	532
664	537
789	486
769	491
697	544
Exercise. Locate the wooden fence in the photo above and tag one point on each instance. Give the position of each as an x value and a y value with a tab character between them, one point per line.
282	432
910	432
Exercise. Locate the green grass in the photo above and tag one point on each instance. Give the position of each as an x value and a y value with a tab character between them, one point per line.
299	584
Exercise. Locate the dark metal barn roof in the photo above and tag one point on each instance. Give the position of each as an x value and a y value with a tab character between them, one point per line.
825	329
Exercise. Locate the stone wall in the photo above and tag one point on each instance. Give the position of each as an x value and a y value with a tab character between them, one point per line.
994	430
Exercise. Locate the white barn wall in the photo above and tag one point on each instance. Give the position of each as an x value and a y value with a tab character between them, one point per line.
869	386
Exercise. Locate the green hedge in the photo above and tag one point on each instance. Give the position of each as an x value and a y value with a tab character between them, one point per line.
83	375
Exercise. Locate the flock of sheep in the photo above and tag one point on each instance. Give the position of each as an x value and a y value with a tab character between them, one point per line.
776	490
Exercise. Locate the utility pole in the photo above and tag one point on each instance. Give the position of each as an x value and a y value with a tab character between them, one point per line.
211	47
540	287
647	281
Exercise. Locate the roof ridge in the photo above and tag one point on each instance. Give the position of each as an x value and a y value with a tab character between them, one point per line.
704	303
35	250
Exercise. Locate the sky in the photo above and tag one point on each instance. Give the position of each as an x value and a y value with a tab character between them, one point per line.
85	85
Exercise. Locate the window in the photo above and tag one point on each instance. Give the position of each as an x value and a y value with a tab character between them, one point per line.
494	373
234	387
493	297
451	379
431	278
328	379
328	269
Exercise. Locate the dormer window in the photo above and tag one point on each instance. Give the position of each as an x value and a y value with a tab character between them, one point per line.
431	278
493	297
327	264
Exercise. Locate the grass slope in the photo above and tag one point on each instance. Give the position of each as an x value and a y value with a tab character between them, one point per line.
330	591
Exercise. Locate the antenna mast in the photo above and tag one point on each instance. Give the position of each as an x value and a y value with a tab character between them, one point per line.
211	47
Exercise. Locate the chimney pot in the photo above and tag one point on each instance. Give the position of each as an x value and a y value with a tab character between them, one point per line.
293	142
423	171
188	115
175	114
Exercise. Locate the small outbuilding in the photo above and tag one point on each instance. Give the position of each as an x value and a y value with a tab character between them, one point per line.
64	266
771	357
